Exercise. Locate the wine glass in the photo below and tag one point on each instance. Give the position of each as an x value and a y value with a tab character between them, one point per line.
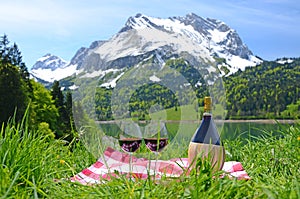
156	138
130	139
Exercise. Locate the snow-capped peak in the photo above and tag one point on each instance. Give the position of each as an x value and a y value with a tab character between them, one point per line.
214	35
49	61
171	25
51	67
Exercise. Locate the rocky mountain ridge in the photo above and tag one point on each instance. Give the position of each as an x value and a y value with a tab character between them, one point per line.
142	37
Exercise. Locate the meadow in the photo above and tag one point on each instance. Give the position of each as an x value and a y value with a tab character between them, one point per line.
31	162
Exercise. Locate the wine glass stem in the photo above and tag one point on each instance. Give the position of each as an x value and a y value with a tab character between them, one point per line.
130	165
155	169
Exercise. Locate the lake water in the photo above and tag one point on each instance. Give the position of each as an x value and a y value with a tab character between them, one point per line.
228	130
232	130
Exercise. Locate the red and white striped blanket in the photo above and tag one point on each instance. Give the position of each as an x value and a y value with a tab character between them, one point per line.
114	163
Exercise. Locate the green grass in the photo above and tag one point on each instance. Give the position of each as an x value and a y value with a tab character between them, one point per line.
187	112
30	163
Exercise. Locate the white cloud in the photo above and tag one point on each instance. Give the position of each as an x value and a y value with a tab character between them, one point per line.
45	16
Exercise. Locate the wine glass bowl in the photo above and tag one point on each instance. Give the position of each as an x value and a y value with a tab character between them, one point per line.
156	145
156	136
130	139
130	144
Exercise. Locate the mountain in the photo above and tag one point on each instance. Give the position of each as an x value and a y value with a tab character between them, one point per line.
50	67
144	37
49	61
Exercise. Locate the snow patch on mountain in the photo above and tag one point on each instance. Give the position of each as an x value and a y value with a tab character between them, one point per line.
51	75
236	62
154	78
73	87
99	73
217	36
285	61
112	83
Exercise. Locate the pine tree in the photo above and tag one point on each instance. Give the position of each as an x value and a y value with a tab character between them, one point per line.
12	55
65	112
14	89
57	94
58	98
13	95
70	125
4	49
68	103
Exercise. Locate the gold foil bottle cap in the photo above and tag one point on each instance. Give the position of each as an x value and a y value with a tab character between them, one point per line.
207	104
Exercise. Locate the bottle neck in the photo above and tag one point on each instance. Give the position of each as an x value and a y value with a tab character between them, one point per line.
207	105
207	110
207	114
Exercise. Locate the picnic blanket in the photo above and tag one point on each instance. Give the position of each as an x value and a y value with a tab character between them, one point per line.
114	163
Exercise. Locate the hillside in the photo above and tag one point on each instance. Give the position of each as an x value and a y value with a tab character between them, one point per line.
199	51
270	90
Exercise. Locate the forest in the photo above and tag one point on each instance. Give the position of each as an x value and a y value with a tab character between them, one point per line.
267	91
48	111
270	90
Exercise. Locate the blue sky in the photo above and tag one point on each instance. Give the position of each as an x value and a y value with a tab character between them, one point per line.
270	28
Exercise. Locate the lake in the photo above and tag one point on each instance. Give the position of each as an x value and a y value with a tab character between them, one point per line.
250	129
228	130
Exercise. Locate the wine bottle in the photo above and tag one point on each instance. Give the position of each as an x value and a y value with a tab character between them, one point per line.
206	142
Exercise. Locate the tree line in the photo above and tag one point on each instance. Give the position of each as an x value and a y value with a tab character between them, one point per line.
47	111
152	94
269	90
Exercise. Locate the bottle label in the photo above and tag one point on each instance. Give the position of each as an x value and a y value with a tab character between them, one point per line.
213	153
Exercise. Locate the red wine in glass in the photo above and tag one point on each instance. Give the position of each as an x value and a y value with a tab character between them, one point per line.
130	145
155	144
130	139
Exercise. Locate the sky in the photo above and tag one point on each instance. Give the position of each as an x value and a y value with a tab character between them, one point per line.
270	28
